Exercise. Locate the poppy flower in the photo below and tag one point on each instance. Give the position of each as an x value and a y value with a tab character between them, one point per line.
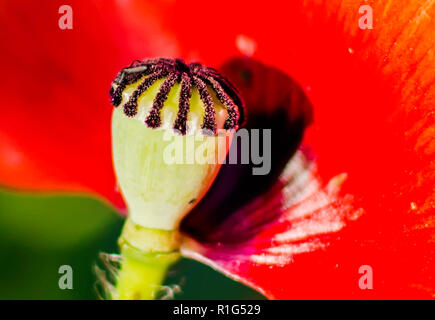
351	111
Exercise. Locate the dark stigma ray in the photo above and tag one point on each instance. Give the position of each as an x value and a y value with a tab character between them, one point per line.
176	70
233	114
235	96
130	107
209	124
215	74
117	93
183	105
230	90
127	77
153	120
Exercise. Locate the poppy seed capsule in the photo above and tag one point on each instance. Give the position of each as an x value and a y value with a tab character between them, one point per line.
169	118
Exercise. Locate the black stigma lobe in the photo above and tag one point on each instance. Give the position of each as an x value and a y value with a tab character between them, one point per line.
209	124
148	71
153	120
183	105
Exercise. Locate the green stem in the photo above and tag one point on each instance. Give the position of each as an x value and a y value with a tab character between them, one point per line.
146	255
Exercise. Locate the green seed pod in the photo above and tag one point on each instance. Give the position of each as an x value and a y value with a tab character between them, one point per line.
171	131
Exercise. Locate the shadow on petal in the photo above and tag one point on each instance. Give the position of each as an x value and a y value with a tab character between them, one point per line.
273	101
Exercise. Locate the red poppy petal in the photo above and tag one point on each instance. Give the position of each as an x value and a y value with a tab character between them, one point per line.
55	122
262	254
373	95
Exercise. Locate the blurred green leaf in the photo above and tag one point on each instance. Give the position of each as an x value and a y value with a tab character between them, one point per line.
54	222
40	233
